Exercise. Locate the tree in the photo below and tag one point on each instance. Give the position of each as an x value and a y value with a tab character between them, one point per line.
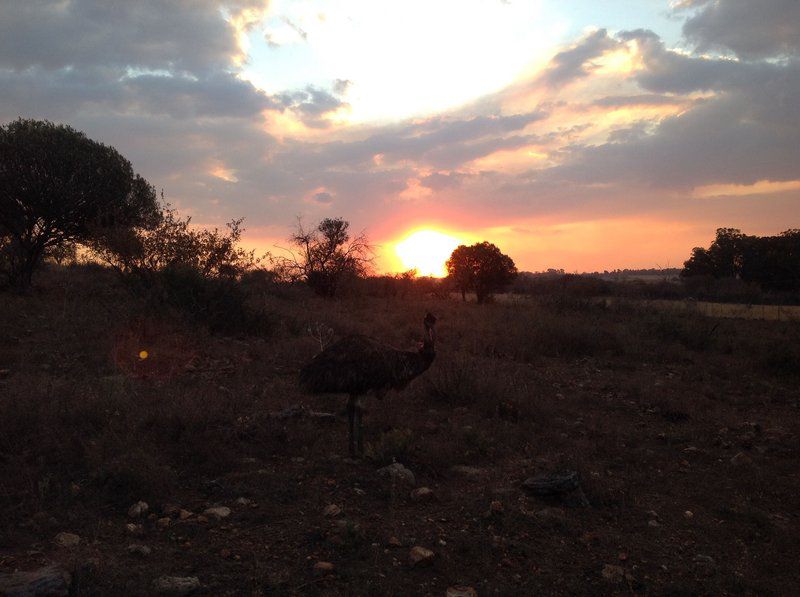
325	256
772	262
481	268
57	187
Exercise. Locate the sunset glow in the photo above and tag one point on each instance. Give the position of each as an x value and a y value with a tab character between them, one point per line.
426	251
560	131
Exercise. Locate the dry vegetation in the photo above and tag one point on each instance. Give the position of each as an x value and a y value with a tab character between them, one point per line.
683	429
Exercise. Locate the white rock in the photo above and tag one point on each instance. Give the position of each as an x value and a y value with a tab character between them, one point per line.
218	512
138	510
67	540
420	556
421	494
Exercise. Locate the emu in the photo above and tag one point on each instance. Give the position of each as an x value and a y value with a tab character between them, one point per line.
357	365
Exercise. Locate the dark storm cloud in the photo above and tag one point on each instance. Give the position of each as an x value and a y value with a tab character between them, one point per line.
572	64
752	29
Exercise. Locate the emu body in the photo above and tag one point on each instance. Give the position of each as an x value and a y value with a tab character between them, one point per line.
357	365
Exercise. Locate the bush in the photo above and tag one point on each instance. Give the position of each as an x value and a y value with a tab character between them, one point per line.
195	271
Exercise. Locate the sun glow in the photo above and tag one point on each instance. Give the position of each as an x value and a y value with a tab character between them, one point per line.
426	251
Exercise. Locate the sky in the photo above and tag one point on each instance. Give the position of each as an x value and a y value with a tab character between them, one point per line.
581	135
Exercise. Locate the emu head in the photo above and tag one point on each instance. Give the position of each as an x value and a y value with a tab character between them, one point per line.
430	333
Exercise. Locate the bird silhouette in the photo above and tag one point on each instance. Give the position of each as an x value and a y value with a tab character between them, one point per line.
357	365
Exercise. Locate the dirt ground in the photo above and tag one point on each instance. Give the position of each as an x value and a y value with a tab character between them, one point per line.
683	430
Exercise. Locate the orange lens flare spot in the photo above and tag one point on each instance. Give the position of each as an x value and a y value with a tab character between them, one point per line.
143	354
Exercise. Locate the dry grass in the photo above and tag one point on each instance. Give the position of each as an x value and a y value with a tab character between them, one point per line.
648	405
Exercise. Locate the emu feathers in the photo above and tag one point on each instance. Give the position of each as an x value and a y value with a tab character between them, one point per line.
360	364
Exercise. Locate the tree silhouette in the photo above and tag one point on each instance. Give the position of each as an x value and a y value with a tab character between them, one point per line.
57	186
772	262
481	268
325	256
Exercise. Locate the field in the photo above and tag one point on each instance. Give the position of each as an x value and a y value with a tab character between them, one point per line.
683	430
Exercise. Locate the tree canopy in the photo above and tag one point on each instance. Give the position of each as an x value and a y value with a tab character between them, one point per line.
58	186
325	256
772	262
481	268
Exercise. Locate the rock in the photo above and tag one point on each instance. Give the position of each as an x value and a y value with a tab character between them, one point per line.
614	574
243	501
139	550
184	514
556	484
688	514
67	540
134	529
741	458
467	471
322	568
180	585
218	512
496	507
703	559
653	523
138	510
332	511
394	542
420	556
398	473
202	519
170	510
5	373
164	522
52	581
461	591
421	494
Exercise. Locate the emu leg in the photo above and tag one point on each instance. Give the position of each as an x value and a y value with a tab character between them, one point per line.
360	428
351	414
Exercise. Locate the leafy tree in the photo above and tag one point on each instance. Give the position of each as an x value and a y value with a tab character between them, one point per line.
325	256
57	187
771	262
481	268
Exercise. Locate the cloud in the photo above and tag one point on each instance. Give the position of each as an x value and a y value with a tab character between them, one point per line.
748	130
175	35
161	81
574	63
323	197
312	105
642	99
751	29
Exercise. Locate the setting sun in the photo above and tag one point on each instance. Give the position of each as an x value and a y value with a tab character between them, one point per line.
426	251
